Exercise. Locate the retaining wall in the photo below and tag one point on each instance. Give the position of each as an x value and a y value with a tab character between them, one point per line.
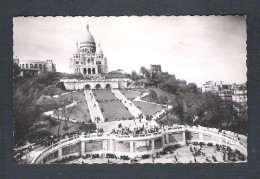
136	146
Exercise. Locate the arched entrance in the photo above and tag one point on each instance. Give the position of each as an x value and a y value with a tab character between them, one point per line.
98	86
108	86
87	86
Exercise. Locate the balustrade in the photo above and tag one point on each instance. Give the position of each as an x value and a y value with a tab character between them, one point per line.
173	135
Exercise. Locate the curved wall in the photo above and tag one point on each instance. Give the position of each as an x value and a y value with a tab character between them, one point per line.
136	146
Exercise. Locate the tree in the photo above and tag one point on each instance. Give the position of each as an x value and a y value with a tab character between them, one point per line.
134	75
16	69
153	94
59	106
178	108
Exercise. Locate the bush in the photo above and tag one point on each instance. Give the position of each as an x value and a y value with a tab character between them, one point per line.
202	144
210	144
214	158
195	143
52	121
124	157
146	156
41	133
61	86
110	155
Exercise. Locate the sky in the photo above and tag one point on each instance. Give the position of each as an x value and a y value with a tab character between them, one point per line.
194	48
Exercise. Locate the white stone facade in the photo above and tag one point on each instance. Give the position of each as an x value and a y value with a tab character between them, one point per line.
47	65
88	59
94	84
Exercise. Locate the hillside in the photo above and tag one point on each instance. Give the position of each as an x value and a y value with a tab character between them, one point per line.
26	92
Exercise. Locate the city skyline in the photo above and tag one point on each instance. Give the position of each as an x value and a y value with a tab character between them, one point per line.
196	49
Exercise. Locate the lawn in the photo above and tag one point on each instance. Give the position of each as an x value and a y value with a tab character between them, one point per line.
160	94
114	110
148	108
77	95
104	95
130	94
80	112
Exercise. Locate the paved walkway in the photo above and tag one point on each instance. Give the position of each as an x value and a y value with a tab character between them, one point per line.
93	106
131	107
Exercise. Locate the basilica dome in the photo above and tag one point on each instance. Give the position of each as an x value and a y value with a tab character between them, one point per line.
89	36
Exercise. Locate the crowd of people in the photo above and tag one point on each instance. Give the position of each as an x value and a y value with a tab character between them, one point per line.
106	100
145	129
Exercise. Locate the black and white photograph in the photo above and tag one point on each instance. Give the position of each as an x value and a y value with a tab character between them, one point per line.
130	89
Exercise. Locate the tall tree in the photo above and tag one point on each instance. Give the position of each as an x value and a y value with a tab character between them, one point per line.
59	106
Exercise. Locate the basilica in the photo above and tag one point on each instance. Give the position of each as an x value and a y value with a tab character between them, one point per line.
88	59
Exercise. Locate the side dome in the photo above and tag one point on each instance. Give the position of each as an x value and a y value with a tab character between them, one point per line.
89	36
99	50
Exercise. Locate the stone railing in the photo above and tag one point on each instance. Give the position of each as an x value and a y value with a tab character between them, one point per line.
148	142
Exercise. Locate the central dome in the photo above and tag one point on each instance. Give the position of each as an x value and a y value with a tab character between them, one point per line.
89	36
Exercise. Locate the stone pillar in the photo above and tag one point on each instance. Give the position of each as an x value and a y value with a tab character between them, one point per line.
163	140
112	145
183	137
82	150
220	138
201	137
59	152
131	146
152	144
104	145
167	138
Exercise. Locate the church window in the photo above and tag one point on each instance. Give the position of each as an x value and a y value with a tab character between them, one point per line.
99	69
23	66
35	66
26	65
31	65
89	70
40	66
88	61
77	62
